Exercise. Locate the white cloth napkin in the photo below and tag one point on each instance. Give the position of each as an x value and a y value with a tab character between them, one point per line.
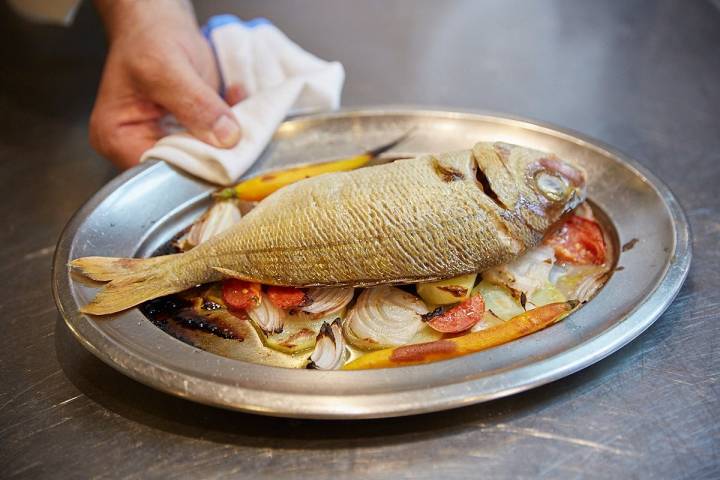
280	79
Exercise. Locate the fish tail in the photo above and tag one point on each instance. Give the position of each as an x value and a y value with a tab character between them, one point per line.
130	281
105	269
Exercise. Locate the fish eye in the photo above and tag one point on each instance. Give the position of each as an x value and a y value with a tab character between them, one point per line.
552	186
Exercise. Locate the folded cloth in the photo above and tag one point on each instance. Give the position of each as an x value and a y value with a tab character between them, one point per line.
280	79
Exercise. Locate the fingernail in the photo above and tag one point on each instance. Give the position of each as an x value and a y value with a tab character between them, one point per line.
226	131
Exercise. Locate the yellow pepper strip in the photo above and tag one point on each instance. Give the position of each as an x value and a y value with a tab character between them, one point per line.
518	326
257	188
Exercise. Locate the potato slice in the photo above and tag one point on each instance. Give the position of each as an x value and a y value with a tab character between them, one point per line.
499	300
448	291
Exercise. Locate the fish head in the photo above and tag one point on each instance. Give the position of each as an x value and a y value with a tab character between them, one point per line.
538	185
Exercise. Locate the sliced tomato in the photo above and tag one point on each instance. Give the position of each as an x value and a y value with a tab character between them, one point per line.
578	240
241	295
460	317
288	298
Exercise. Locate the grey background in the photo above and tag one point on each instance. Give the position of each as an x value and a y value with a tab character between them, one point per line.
643	76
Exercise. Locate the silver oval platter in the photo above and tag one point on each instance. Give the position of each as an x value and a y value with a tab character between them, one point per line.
144	207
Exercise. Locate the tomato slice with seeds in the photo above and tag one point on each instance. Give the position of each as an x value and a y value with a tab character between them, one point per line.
460	317
241	295
578	240
288	298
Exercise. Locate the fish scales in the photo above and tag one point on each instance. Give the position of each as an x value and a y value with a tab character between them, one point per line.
431	217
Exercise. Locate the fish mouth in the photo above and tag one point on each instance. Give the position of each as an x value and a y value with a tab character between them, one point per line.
577	196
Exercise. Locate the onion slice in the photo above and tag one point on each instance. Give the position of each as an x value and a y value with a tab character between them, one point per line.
330	348
525	274
220	217
580	282
384	317
326	301
267	316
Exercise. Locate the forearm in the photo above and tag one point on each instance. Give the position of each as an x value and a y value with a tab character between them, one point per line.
123	16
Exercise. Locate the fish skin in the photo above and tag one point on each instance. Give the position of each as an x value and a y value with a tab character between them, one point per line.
408	221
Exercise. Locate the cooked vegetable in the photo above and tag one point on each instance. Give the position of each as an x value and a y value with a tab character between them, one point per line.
241	295
268	317
299	333
257	188
519	326
547	294
288	298
527	273
220	217
499	300
330	349
448	291
384	317
488	320
580	282
578	240
458	318
328	300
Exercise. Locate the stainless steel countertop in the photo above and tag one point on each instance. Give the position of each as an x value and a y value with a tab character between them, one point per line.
640	75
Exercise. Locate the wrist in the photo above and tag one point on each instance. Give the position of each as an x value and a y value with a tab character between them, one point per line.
124	16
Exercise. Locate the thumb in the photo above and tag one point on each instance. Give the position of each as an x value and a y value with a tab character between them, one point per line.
197	106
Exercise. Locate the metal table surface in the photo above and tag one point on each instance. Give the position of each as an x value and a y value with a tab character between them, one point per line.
641	75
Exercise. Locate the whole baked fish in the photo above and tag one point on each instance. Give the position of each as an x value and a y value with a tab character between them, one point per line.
431	217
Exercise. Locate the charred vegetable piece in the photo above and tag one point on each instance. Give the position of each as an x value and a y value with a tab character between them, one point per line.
578	240
288	332
257	188
460	317
241	295
330	347
288	298
519	326
299	334
448	291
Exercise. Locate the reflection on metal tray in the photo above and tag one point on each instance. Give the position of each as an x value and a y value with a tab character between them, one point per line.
143	208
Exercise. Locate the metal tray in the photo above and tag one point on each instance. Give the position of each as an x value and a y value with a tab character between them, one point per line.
144	207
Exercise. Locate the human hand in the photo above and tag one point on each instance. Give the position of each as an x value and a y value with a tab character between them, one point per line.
158	63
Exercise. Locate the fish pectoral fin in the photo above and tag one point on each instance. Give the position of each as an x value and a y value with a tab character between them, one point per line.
233	274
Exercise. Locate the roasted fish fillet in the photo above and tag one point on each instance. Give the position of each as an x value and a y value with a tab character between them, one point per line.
431	217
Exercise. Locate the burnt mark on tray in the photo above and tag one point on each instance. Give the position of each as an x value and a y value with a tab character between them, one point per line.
630	245
190	319
448	174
